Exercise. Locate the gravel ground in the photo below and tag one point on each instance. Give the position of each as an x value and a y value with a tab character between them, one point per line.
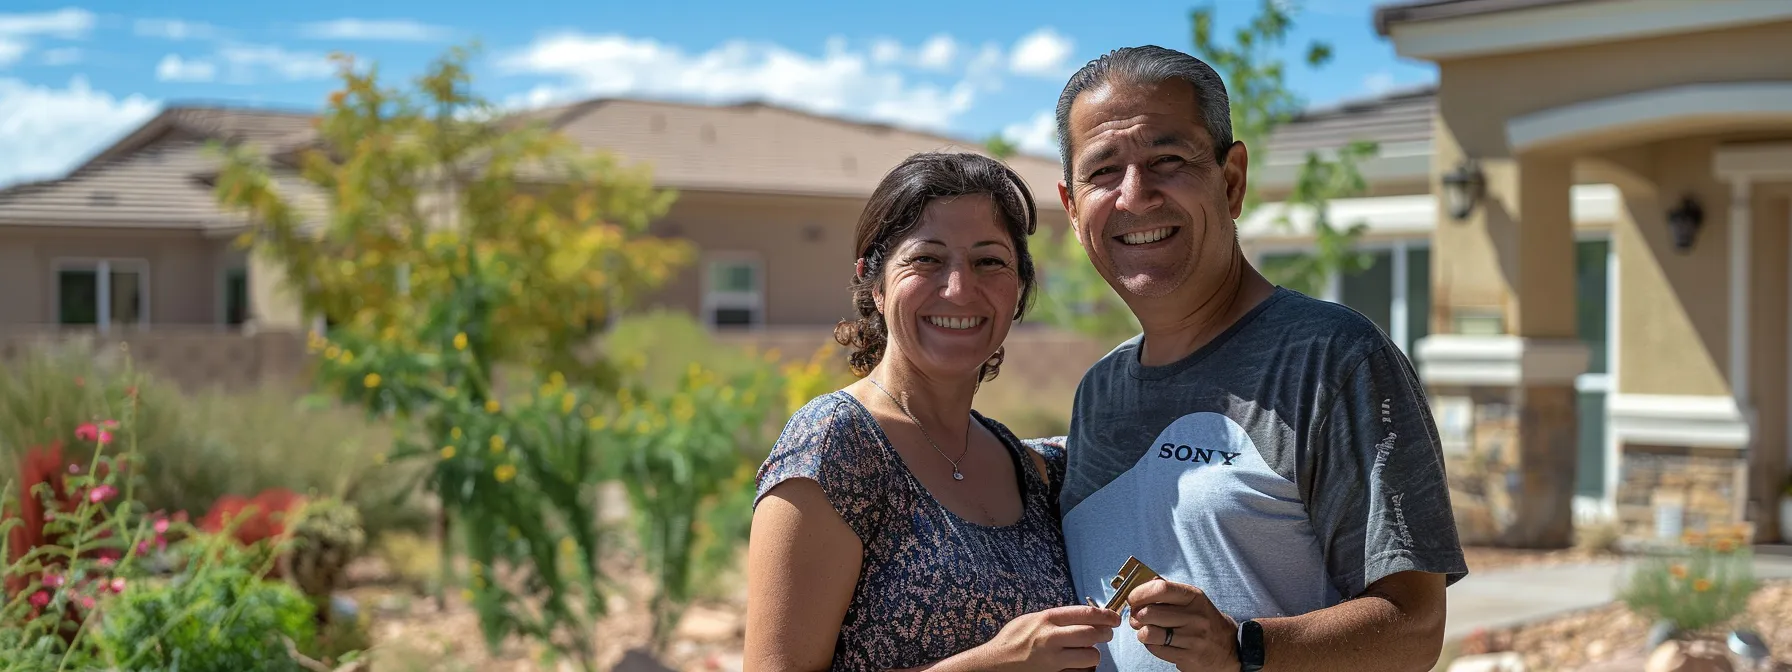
1586	640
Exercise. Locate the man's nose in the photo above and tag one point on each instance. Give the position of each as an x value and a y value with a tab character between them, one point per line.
1138	192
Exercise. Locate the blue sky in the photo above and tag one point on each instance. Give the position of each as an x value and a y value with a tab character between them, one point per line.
75	76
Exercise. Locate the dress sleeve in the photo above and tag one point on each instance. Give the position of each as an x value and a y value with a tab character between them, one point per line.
1052	449
826	442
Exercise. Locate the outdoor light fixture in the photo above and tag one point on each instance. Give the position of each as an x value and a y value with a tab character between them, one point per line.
1462	189
1684	222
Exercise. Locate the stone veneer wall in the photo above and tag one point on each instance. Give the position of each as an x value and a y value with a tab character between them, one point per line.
1665	491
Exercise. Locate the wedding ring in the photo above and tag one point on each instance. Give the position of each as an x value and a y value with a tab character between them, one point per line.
1169	634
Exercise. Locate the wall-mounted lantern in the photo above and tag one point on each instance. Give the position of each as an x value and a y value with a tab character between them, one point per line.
1684	222
1463	188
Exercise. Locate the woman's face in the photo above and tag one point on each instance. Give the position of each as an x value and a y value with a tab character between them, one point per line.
950	288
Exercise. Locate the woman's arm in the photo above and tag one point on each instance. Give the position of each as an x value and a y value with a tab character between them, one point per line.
802	565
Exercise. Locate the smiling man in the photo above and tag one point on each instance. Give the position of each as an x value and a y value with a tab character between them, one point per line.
1271	455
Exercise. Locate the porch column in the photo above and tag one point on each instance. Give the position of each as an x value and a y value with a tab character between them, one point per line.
1504	355
272	305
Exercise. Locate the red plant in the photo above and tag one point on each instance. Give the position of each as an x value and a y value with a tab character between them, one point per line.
258	519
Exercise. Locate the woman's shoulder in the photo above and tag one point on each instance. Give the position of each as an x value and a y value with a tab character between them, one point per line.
833	442
830	420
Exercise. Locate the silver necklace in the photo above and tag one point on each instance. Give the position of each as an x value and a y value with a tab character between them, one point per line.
956	474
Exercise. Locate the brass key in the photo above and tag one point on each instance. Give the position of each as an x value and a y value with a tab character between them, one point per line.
1132	575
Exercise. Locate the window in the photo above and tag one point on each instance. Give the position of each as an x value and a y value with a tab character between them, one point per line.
734	292
102	293
1394	291
1592	279
236	296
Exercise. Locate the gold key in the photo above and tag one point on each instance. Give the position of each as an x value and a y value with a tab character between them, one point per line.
1132	575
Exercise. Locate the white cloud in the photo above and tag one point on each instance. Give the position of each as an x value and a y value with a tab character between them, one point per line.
248	63
937	53
173	68
62	56
396	30
65	23
11	51
1038	135
45	131
175	29
840	82
16	30
1042	53
885	51
1378	83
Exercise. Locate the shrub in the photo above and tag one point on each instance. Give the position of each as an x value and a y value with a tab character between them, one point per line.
1697	587
219	617
51	391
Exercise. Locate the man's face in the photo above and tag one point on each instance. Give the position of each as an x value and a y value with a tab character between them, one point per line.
1152	206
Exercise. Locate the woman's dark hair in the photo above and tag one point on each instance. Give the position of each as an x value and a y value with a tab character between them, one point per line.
894	212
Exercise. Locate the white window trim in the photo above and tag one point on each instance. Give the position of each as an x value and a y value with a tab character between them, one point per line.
1398	324
754	301
102	267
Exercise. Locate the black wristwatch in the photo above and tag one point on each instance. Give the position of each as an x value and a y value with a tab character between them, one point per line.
1250	646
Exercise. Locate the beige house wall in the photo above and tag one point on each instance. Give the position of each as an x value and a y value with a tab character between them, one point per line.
802	243
185	270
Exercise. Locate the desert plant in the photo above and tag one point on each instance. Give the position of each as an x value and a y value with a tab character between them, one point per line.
1695	587
326	536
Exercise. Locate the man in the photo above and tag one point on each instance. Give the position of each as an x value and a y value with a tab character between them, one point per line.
1272	456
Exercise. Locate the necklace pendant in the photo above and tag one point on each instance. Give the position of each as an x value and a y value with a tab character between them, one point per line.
957	475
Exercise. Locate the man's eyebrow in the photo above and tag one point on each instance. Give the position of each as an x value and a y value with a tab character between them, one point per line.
1108	152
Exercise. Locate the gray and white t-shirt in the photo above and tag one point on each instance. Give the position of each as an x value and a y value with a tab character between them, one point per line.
1281	468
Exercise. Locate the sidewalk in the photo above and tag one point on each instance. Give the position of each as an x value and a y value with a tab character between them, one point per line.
1509	597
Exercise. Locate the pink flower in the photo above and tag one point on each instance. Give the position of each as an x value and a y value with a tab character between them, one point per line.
40	599
162	526
105	437
142	548
108	561
87	432
118	584
86	602
53	580
74	468
101	493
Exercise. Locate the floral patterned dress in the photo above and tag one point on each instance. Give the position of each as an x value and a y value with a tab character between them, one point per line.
931	584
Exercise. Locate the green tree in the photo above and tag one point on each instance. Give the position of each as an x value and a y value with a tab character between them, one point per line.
1000	147
1077	298
457	250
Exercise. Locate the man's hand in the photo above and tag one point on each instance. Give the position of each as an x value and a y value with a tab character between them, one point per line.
1199	636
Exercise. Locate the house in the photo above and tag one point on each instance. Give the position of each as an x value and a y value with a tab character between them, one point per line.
132	243
1581	235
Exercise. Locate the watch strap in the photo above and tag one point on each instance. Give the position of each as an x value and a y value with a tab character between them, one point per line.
1250	646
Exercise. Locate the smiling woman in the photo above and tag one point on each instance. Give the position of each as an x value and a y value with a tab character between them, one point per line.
896	527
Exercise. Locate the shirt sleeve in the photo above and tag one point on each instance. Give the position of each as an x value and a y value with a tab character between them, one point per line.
1052	449
1379	500
825	443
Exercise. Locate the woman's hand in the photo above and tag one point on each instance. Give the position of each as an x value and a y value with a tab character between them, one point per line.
1057	639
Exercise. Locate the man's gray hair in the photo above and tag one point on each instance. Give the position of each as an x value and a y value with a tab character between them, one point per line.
1147	65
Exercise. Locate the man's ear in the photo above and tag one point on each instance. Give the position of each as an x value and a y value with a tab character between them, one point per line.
1238	163
1069	204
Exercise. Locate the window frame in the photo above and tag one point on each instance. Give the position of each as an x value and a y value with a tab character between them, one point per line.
713	299
102	269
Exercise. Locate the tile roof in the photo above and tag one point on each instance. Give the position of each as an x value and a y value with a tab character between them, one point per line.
1396	118
1432	10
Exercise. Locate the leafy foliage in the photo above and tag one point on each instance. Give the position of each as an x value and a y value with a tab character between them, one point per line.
1704	584
218	617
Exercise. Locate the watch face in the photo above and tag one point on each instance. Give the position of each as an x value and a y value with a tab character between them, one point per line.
1252	650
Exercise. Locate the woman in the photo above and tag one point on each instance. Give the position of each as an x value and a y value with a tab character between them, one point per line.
896	528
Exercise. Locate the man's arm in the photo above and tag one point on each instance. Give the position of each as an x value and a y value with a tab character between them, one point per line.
1397	624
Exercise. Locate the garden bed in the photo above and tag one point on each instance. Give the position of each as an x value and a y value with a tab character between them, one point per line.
1610	637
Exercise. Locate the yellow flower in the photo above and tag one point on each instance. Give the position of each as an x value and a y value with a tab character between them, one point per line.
466	595
567	400
727	394
567	546
447	452
371	381
1701	585
454	433
460	341
475	567
504	473
478	581
389	333
492	406
1679	571
683	410
641	427
695	371
332	352
497	443
347	357
556	379
597	423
